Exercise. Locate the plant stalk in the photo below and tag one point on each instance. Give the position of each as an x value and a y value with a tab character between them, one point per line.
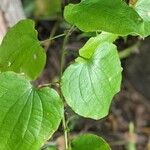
66	137
52	38
127	52
63	52
62	62
132	138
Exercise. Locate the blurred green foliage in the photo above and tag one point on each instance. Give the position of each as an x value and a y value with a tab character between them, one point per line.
43	9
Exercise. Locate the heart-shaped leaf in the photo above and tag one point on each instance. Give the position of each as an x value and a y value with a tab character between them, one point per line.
89	142
28	116
113	16
90	83
21	52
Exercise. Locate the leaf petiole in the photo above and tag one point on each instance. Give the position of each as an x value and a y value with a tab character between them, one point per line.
53	38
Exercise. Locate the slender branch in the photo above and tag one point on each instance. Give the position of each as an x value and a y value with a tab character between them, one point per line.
54	29
132	137
62	62
127	52
52	38
66	137
63	52
48	85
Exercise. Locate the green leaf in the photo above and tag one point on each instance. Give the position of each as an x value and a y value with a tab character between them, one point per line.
93	43
143	9
28	116
113	16
21	52
90	83
89	142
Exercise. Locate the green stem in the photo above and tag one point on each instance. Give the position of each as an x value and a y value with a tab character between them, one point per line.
63	52
52	38
65	132
132	140
54	29
62	62
127	52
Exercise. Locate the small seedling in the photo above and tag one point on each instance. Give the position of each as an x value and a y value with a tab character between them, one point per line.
29	115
